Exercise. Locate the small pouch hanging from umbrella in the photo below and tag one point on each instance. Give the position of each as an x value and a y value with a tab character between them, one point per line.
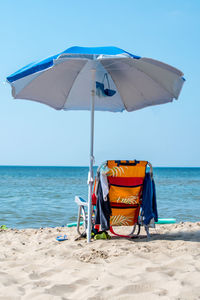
100	88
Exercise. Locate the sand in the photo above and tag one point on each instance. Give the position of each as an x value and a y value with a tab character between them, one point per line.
33	265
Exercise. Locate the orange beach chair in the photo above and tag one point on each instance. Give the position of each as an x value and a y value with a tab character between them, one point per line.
125	185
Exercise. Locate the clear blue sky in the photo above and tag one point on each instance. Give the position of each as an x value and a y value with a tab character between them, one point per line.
166	135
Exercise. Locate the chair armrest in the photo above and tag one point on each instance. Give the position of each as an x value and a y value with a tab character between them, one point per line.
80	201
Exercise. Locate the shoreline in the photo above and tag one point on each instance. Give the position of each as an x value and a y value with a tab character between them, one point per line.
34	265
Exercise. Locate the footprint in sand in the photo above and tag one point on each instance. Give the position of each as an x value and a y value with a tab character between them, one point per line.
34	276
61	289
7	279
161	292
136	288
168	272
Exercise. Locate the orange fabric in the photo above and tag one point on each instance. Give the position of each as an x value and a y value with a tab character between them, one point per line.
125	195
124	216
127	171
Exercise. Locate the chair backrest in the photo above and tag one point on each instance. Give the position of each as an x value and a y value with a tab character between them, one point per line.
125	180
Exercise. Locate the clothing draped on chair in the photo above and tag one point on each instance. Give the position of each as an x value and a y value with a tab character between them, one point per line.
149	205
103	209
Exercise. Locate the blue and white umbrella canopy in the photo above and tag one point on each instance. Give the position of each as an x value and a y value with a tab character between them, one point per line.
100	78
123	81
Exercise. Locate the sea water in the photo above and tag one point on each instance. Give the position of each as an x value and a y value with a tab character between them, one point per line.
44	196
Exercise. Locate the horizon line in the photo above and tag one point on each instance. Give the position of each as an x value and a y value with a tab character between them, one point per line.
86	166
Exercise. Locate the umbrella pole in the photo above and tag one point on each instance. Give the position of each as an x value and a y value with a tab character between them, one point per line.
90	174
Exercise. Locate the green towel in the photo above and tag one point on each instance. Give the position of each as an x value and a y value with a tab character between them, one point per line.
4	227
102	236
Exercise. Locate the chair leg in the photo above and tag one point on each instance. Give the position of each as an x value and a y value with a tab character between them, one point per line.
147	231
78	220
81	210
84	218
134	229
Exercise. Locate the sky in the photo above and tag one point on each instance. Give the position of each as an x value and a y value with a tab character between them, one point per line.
35	134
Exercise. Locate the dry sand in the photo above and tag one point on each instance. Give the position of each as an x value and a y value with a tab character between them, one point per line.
33	265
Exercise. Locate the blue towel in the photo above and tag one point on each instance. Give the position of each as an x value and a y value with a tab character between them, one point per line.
149	205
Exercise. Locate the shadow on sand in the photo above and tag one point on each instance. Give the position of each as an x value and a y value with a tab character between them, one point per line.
193	236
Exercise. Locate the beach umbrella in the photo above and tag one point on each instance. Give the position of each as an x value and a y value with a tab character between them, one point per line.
97	78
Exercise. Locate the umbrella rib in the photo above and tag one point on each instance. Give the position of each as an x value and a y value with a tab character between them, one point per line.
72	86
138	91
132	60
152	79
118	90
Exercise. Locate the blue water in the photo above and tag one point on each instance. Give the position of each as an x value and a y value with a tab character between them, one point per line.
44	196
